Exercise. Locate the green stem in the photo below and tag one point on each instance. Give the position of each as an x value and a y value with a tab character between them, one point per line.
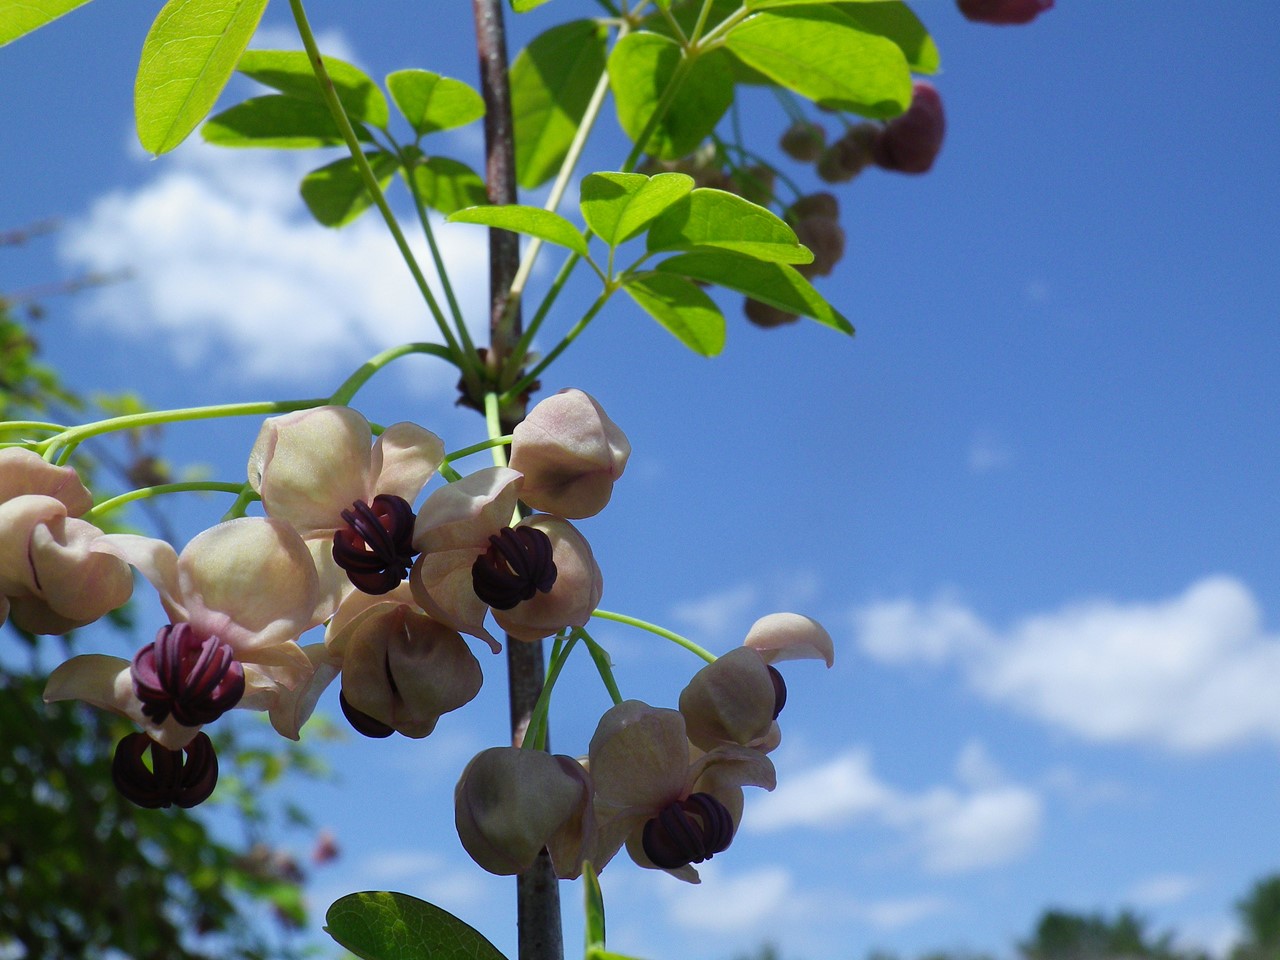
660	111
12	426
604	665
536	733
464	360
146	493
660	631
527	380
477	448
493	420
344	394
521	351
238	509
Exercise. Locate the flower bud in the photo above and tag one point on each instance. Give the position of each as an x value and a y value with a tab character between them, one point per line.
511	802
731	701
848	156
765	315
803	141
911	142
825	238
1003	12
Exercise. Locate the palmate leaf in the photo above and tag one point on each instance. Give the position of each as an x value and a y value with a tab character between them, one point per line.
682	308
531	221
20	17
715	218
336	194
279	121
776	284
396	926
552	80
447	185
289	71
188	56
889	18
827	55
431	102
617	206
641	68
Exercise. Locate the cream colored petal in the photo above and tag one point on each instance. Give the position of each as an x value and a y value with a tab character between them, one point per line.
442	586
26	472
252	582
77	580
19	518
570	453
731	767
575	595
105	682
311	465
790	636
288	709
353	605
729	701
466	513
157	561
403	459
333	585
639	757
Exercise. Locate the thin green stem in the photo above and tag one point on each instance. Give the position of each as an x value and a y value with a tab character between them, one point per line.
344	394
13	426
146	493
529	378
660	111
604	665
464	360
536	733
477	448
493	420
241	506
660	631
715	34
516	360
702	22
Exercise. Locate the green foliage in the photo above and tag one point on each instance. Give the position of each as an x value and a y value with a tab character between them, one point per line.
20	17
188	56
396	926
290	72
889	18
682	308
617	206
276	120
533	221
447	185
552	80
335	193
1062	935
431	102
714	218
1259	913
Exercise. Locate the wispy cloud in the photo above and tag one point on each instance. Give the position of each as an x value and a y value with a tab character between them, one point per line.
988	452
1161	890
1191	672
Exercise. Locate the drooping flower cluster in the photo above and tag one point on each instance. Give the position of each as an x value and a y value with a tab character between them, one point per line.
340	545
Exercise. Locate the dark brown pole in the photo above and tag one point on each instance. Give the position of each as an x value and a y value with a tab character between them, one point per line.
541	935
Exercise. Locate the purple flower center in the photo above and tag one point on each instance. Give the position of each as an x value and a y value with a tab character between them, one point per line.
688	831
197	679
170	778
516	566
376	545
779	690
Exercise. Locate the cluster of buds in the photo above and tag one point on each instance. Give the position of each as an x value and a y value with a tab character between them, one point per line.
665	784
815	218
1003	12
340	545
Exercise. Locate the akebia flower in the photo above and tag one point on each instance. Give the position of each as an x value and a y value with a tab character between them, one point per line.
911	142
570	453
510	803
671	806
538	575
1003	12
185	776
55	574
317	470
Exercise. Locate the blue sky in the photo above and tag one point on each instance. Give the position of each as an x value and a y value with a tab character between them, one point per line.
1033	500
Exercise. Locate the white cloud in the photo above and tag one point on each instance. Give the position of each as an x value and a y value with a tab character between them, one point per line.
233	277
987	453
715	614
1193	672
895	914
984	823
1161	890
725	902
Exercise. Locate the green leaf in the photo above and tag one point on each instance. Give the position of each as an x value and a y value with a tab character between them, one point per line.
617	206
336	194
682	308
825	54
289	71
552	80
524	6
395	926
448	185
776	284
642	67
889	18
189	54
276	121
431	102
594	906
20	17
533	221
714	218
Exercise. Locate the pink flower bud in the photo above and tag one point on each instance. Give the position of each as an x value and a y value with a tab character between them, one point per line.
731	701
911	142
1003	11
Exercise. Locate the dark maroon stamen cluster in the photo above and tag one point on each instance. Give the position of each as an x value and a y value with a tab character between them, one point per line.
170	779
688	831
197	679
516	566
376	545
362	723
779	690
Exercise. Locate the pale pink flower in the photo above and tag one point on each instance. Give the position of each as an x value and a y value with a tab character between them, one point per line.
54	573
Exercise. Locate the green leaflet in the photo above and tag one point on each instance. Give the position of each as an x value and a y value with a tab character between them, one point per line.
889	18
826	55
617	206
336	194
431	102
682	308
20	17
552	80
776	284
395	926
642	67
714	218
276	120
189	54
532	221
289	71
448	185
